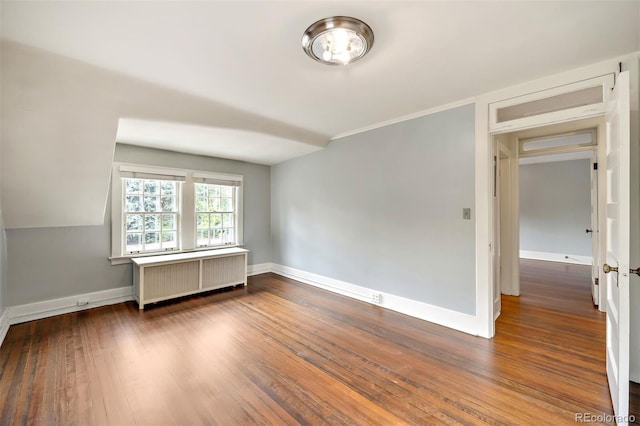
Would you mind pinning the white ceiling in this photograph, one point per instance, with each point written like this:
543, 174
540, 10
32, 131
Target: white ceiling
248, 55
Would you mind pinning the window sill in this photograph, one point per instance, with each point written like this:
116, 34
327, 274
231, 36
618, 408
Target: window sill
123, 260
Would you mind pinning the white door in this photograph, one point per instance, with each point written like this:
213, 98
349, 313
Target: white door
617, 246
595, 235
497, 250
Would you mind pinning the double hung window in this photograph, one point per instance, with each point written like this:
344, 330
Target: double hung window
151, 215
156, 210
215, 214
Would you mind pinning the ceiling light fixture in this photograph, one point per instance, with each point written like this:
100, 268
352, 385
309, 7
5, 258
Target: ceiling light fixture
338, 40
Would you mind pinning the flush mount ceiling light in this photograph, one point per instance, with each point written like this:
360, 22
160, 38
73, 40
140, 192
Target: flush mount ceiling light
338, 40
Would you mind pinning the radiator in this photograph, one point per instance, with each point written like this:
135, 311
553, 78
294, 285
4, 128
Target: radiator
164, 277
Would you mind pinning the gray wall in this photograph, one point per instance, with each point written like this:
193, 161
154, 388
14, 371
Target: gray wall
555, 207
48, 263
383, 210
3, 252
3, 266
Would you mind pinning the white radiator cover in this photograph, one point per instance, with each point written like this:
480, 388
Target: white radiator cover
157, 278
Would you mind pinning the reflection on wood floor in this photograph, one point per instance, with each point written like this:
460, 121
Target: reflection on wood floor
281, 352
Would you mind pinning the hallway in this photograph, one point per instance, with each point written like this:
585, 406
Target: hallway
554, 294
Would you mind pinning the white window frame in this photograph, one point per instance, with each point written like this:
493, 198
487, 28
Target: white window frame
177, 181
186, 212
236, 186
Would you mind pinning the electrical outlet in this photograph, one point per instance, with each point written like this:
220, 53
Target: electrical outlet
82, 302
466, 213
376, 298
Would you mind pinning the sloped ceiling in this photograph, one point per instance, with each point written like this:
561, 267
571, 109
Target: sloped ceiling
248, 55
234, 74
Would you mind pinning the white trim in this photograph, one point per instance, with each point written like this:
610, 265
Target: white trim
64, 305
483, 175
418, 114
424, 311
556, 257
186, 215
4, 325
484, 221
536, 120
154, 170
218, 176
123, 260
259, 268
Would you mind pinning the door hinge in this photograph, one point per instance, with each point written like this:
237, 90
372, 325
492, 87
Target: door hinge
595, 166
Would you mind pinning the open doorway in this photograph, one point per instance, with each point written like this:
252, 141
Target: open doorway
557, 167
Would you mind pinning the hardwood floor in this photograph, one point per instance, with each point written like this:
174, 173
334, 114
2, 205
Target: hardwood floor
281, 352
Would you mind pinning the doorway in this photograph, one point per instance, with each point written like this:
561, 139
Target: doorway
574, 143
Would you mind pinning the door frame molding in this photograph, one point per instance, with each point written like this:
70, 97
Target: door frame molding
484, 172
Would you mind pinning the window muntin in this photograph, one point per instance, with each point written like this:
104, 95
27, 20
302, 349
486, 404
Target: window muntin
151, 215
216, 214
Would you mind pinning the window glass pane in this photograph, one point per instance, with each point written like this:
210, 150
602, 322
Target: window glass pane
133, 186
152, 241
169, 239
202, 221
203, 237
152, 222
216, 220
168, 187
169, 222
168, 204
214, 204
151, 187
202, 205
151, 204
134, 242
228, 236
226, 191
133, 203
226, 205
588, 96
227, 220
214, 190
201, 190
134, 222
216, 236
560, 141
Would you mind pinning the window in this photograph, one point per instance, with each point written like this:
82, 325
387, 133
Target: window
156, 210
215, 214
150, 215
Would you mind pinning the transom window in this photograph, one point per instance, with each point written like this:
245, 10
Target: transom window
215, 214
150, 215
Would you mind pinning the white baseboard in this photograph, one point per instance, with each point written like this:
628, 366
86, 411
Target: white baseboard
48, 308
64, 305
4, 325
556, 257
445, 317
260, 268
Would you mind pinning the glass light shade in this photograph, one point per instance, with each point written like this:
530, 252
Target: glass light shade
338, 40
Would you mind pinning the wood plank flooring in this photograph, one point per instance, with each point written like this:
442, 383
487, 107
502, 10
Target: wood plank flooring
281, 352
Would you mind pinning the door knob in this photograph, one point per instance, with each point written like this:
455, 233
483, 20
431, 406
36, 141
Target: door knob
635, 271
606, 268
589, 231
